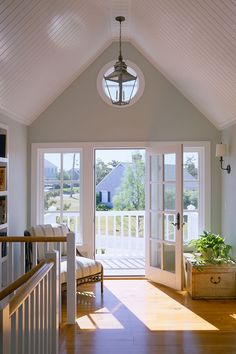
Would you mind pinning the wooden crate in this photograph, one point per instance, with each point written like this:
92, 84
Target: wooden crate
211, 282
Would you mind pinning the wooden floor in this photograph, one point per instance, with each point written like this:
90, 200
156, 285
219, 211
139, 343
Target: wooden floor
137, 317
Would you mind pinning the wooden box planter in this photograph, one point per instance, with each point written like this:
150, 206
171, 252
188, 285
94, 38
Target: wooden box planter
212, 281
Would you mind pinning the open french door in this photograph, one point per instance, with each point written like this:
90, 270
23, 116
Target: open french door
164, 215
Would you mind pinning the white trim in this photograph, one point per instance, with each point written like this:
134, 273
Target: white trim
227, 124
140, 78
9, 114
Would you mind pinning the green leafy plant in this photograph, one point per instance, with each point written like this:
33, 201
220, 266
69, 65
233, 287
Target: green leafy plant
210, 249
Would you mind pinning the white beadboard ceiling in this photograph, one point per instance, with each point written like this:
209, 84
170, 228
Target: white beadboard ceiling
46, 44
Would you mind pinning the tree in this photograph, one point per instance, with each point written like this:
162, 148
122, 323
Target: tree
131, 194
102, 169
113, 163
190, 166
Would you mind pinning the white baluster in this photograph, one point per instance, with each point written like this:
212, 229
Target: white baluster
22, 258
32, 322
55, 289
71, 278
10, 263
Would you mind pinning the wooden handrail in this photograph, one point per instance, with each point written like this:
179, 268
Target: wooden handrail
26, 289
20, 281
33, 239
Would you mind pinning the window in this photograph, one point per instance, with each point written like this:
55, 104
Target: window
105, 196
60, 190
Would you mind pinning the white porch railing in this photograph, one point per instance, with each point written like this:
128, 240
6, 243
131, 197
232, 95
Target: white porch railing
29, 321
122, 233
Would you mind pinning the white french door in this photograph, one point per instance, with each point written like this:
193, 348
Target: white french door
164, 215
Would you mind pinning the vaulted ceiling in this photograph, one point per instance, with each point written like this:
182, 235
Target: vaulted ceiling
46, 44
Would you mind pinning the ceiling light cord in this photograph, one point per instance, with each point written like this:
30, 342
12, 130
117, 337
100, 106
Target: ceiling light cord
120, 19
120, 55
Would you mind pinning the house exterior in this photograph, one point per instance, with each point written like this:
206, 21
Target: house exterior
109, 186
50, 170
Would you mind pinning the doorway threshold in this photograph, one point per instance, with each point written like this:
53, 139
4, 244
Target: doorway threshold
123, 267
125, 277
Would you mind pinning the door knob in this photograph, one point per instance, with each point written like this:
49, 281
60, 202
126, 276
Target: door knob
177, 223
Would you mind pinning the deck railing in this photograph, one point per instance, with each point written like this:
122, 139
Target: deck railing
122, 233
29, 320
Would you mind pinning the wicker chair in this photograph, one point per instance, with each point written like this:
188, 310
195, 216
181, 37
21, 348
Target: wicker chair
87, 270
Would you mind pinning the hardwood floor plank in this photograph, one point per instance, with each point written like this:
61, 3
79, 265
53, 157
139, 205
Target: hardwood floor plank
138, 317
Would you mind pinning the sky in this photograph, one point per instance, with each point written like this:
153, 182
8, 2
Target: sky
124, 155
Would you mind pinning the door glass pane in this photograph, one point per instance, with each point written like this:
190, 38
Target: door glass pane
52, 166
156, 225
169, 196
169, 228
156, 198
156, 168
155, 254
191, 166
169, 257
170, 167
191, 195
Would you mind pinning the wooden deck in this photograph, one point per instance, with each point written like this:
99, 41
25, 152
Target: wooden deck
123, 266
137, 317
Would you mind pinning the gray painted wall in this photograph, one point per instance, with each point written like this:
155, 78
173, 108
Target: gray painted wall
162, 114
229, 189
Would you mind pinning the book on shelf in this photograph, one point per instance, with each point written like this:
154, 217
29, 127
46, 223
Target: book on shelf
3, 184
3, 210
2, 145
4, 244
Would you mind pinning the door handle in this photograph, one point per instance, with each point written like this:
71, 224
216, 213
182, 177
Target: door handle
177, 223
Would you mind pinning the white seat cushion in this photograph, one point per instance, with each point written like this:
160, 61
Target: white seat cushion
84, 267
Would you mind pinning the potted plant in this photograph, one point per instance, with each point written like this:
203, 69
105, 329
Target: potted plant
210, 249
211, 272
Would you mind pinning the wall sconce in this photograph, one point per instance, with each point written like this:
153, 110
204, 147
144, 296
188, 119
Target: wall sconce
221, 150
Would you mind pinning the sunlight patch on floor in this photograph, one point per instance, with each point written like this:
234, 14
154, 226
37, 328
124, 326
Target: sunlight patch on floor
142, 300
101, 319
